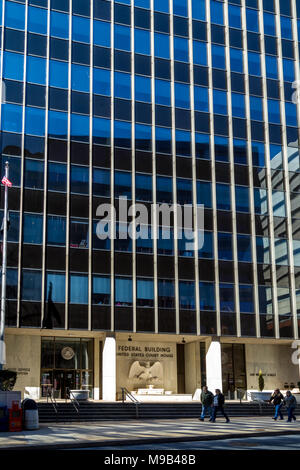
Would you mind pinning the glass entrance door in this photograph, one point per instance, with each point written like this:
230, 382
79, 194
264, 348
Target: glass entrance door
233, 369
62, 381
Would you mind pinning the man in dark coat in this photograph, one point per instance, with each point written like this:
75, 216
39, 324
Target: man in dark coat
277, 399
207, 399
218, 405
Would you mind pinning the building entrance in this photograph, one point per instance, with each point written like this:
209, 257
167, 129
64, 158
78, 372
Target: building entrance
233, 369
66, 364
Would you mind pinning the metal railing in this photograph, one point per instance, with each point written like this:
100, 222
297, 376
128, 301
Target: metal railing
50, 395
73, 399
126, 393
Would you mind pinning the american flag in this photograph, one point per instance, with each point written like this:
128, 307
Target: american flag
6, 182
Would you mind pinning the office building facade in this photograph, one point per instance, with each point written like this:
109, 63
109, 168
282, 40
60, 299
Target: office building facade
179, 102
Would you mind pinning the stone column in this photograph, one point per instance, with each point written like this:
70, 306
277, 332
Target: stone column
96, 370
109, 382
214, 365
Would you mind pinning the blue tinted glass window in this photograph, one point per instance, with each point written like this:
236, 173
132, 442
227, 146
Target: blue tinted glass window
185, 243
56, 285
13, 65
254, 63
265, 299
166, 294
79, 233
220, 102
291, 114
101, 82
57, 177
240, 151
145, 292
238, 105
36, 70
14, 15
184, 191
202, 146
81, 29
59, 24
246, 299
161, 45
256, 108
207, 296
163, 139
79, 179
242, 199
260, 201
101, 182
227, 298
269, 24
181, 49
271, 67
218, 57
164, 189
37, 20
286, 27
123, 292
122, 85
142, 3
244, 248
11, 118
34, 174
278, 201
143, 137
101, 131
56, 230
33, 228
142, 89
234, 14
101, 290
180, 7
57, 124
187, 294
163, 92
80, 78
122, 184
161, 5
258, 154
236, 60
165, 242
216, 12
198, 10
223, 196
221, 149
199, 53
58, 76
281, 252
201, 98
78, 289
263, 250
274, 111
183, 143
143, 187
122, 134
142, 41
252, 20
122, 38
225, 246
35, 121
122, 242
207, 250
182, 95
204, 193
14, 225
288, 70
31, 285
80, 127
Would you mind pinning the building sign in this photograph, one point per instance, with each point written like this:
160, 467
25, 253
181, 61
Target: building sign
145, 352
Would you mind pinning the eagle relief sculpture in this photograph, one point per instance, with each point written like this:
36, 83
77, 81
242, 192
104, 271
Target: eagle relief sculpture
146, 372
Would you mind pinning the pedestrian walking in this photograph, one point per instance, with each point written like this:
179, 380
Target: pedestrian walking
207, 399
290, 403
218, 405
277, 399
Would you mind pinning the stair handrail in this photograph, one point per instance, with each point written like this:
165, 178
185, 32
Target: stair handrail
50, 395
73, 399
126, 393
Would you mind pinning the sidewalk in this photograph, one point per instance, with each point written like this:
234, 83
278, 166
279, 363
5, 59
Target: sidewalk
77, 435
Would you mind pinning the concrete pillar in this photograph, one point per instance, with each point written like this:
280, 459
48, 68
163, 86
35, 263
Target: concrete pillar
96, 370
214, 366
109, 377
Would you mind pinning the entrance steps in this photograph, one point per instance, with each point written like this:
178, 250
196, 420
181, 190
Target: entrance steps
104, 411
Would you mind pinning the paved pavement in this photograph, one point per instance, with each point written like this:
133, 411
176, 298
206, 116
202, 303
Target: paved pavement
134, 432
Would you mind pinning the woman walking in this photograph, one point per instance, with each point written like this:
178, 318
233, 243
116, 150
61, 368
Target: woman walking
277, 399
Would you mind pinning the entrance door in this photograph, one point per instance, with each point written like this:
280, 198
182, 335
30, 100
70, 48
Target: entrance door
63, 380
233, 369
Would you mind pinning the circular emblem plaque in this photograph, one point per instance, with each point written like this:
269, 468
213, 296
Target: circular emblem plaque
67, 353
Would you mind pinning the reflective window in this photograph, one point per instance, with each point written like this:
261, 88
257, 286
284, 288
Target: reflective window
142, 41
234, 14
122, 37
122, 85
244, 248
246, 299
281, 252
223, 196
31, 285
269, 24
56, 230
123, 292
36, 70
79, 179
271, 67
14, 15
218, 57
101, 182
162, 92
145, 293
201, 98
142, 89
11, 118
181, 49
187, 294
162, 45
254, 63
81, 29
260, 201
216, 12
227, 298
34, 174
166, 293
33, 228
184, 191
199, 53
252, 20
122, 184
263, 250
207, 296
59, 24
13, 65
58, 75
79, 233
165, 242
37, 20
278, 200
57, 177
78, 289
265, 297
236, 60
143, 187
164, 189
242, 199
207, 250
256, 108
55, 287
225, 246
101, 290
221, 149
80, 78
101, 33
12, 283
144, 243
101, 82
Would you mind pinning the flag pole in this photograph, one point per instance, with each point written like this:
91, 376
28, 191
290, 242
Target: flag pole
4, 262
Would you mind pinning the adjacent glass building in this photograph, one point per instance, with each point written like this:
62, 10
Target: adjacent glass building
161, 101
